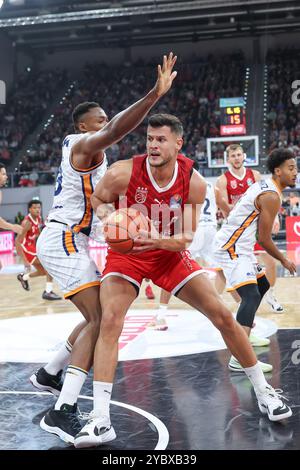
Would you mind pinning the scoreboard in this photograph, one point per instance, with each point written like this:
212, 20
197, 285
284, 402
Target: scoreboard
233, 120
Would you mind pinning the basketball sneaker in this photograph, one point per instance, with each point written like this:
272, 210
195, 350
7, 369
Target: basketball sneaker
273, 302
149, 292
271, 402
47, 382
97, 431
50, 296
158, 324
235, 366
24, 284
64, 422
258, 342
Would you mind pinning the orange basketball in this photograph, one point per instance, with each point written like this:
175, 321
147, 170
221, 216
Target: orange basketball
122, 227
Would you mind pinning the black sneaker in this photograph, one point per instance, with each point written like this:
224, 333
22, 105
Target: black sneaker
47, 382
64, 422
25, 284
50, 296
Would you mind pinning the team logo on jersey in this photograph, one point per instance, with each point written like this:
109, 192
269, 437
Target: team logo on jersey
141, 195
175, 201
233, 184
249, 182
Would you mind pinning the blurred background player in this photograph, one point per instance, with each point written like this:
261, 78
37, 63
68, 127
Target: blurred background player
26, 248
148, 290
4, 225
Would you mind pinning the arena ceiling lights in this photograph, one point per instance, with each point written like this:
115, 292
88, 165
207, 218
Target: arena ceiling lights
66, 24
142, 8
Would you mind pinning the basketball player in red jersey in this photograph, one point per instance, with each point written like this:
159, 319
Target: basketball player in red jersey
4, 225
237, 179
170, 192
26, 247
63, 246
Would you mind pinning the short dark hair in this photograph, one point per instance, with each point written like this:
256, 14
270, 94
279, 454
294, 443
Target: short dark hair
160, 120
34, 201
2, 166
277, 157
81, 109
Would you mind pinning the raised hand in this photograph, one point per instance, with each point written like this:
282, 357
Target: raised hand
165, 76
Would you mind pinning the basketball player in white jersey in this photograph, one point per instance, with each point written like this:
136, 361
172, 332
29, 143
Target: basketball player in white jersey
232, 185
63, 250
200, 248
254, 212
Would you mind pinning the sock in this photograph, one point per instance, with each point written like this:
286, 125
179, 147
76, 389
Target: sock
256, 377
60, 360
102, 395
162, 310
49, 287
26, 276
74, 380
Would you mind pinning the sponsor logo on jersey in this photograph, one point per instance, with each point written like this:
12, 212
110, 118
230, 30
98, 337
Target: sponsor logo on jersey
252, 274
141, 195
233, 184
175, 201
249, 182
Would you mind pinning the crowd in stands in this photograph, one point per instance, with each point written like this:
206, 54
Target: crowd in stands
26, 106
195, 99
283, 118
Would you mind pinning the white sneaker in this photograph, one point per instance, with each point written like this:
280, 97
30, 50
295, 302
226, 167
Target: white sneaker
235, 366
97, 431
271, 402
258, 342
158, 325
273, 302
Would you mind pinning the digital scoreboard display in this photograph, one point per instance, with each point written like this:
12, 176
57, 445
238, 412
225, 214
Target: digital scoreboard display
233, 121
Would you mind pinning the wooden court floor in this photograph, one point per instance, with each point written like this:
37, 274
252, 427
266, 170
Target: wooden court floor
16, 302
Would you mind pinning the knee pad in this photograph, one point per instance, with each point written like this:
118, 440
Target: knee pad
251, 298
263, 285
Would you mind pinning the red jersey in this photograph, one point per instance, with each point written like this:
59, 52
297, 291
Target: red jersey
162, 205
29, 242
236, 186
167, 269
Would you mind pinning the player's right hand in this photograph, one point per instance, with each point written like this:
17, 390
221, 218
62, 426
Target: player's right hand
165, 76
290, 266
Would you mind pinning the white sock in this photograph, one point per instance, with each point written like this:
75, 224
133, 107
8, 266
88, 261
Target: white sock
26, 276
256, 377
60, 360
74, 380
162, 311
102, 395
49, 287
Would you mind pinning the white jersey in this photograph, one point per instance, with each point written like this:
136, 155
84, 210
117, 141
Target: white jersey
208, 214
74, 187
238, 233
